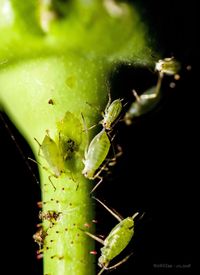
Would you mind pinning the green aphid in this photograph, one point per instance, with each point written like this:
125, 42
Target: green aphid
169, 66
58, 152
111, 114
52, 154
144, 103
70, 135
95, 154
116, 241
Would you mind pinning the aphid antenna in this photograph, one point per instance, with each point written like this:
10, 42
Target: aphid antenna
19, 149
37, 142
109, 100
39, 154
116, 215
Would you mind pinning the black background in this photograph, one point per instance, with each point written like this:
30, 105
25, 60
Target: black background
155, 175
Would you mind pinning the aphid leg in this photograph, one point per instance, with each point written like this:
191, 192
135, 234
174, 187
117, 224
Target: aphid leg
137, 97
143, 96
95, 237
110, 162
98, 183
115, 214
159, 82
98, 111
45, 168
39, 147
119, 263
102, 270
119, 153
93, 126
113, 161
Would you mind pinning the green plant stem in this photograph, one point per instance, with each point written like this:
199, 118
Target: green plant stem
66, 248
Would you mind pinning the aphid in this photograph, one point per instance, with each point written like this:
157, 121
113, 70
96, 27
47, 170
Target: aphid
70, 135
111, 113
52, 155
58, 153
116, 241
168, 66
144, 102
95, 154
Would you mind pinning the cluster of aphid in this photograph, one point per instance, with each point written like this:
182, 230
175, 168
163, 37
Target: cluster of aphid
122, 233
95, 160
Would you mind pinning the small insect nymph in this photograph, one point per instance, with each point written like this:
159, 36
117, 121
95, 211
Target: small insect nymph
95, 154
52, 155
116, 241
111, 114
59, 152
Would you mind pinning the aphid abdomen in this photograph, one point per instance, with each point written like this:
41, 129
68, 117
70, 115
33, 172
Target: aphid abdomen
118, 239
102, 149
